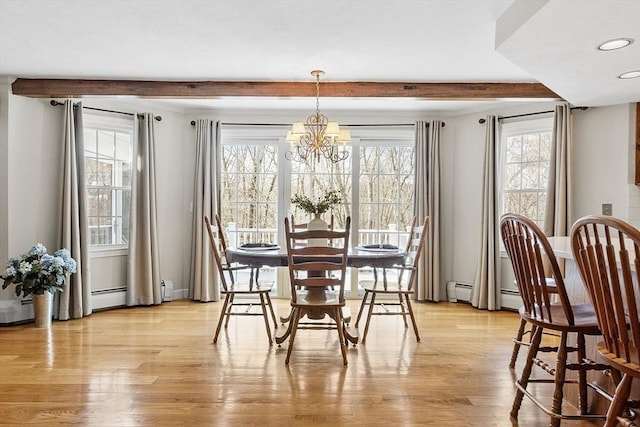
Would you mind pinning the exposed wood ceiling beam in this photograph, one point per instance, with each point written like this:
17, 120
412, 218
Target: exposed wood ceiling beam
58, 88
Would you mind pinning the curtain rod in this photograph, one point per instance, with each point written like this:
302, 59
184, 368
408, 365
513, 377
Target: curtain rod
193, 123
56, 103
482, 121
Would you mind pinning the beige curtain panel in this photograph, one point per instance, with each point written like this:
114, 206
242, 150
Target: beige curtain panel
203, 283
427, 203
486, 293
75, 301
143, 272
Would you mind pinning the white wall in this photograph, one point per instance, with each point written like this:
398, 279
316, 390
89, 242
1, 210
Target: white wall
602, 169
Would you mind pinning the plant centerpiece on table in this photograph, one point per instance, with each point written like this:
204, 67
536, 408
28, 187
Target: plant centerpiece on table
319, 206
39, 274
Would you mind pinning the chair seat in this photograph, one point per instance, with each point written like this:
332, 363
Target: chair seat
631, 367
584, 318
246, 288
390, 288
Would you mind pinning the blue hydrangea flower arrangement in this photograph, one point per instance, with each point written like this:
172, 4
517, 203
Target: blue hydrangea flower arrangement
37, 271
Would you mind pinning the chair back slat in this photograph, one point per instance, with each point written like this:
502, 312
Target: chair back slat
533, 261
607, 252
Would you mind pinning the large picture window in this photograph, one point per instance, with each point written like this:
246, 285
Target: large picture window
526, 151
257, 184
108, 158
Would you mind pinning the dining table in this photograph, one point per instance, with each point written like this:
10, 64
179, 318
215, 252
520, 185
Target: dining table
272, 255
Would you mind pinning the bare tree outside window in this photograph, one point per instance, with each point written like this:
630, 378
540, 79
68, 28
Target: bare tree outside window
250, 191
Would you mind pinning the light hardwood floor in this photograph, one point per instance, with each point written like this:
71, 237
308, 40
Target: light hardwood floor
158, 366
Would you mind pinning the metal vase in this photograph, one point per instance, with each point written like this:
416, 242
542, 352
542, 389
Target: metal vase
42, 309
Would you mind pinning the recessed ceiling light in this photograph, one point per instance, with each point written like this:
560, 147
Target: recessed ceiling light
614, 44
630, 75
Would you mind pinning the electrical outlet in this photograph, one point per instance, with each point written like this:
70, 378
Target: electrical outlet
607, 209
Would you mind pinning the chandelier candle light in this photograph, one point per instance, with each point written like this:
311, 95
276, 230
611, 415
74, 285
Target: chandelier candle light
318, 137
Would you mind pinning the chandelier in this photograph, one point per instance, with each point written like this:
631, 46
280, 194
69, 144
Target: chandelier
318, 137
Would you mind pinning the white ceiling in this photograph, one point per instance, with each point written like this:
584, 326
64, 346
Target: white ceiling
547, 41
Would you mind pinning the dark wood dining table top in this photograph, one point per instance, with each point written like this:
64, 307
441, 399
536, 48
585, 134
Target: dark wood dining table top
357, 258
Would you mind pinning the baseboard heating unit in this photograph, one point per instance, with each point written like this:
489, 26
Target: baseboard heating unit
459, 292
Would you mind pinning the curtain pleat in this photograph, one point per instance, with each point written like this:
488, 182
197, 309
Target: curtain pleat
203, 285
433, 182
75, 300
143, 272
427, 203
486, 294
557, 210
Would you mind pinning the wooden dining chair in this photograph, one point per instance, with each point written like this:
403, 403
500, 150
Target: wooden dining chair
528, 248
607, 253
402, 288
317, 277
234, 289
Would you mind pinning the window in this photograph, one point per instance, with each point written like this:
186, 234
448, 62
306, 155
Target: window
526, 151
257, 184
108, 158
249, 188
386, 187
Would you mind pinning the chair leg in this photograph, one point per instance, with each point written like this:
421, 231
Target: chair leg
295, 318
619, 401
340, 327
364, 302
223, 314
369, 314
404, 311
517, 343
561, 370
413, 318
582, 376
273, 314
526, 371
265, 314
229, 308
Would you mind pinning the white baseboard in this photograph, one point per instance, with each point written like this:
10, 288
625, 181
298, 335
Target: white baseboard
15, 311
459, 292
463, 292
510, 299
108, 298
